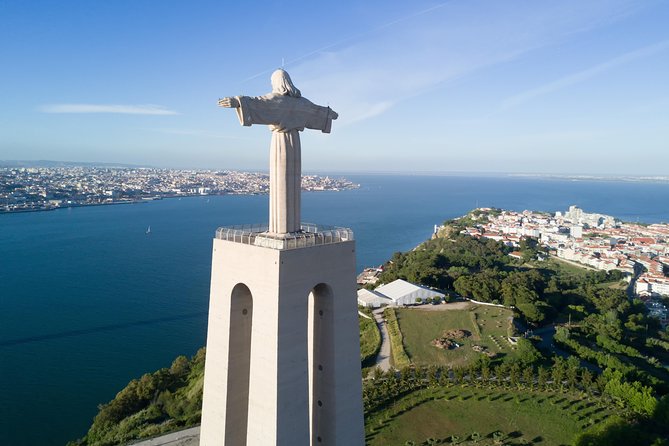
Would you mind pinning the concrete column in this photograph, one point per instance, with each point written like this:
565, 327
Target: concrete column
285, 175
304, 381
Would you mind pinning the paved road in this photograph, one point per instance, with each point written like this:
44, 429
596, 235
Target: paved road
631, 289
546, 334
186, 437
383, 358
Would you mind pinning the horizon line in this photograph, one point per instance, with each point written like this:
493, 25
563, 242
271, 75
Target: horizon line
582, 175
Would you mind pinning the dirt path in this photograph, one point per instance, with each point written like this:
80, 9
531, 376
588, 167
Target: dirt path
383, 358
443, 307
186, 437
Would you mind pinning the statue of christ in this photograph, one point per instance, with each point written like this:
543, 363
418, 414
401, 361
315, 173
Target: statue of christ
286, 113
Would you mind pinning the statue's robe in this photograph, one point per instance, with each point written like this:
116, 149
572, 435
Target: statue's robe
286, 117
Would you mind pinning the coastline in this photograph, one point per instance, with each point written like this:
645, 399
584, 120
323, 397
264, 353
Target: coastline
146, 200
78, 205
60, 264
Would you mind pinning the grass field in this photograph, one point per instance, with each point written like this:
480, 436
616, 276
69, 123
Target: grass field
563, 267
560, 266
520, 417
616, 284
370, 339
487, 325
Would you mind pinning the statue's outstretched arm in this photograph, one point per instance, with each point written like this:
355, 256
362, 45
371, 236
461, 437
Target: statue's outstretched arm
228, 103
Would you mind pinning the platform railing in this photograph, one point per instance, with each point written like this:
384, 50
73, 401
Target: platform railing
309, 235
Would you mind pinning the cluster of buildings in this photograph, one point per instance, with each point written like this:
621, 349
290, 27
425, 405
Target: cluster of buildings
369, 276
45, 188
595, 240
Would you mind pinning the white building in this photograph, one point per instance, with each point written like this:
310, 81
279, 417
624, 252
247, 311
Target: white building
372, 299
652, 285
401, 292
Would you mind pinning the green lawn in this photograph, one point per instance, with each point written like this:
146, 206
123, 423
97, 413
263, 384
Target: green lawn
487, 325
615, 284
560, 266
523, 417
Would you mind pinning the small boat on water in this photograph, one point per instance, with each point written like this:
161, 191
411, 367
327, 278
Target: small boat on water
148, 230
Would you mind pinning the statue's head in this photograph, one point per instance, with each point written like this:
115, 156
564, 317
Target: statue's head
281, 84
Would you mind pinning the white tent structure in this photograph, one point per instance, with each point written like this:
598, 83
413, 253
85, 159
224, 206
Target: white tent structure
401, 292
372, 299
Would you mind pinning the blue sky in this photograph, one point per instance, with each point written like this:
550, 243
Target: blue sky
457, 86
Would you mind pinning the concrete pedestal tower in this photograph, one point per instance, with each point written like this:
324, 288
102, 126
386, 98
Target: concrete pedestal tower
283, 352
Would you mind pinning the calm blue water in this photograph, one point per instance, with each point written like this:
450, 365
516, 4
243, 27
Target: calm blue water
88, 301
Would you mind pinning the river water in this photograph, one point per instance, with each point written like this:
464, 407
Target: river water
89, 301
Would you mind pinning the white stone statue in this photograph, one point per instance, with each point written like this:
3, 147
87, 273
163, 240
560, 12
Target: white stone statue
286, 113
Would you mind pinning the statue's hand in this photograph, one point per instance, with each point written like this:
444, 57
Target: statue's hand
333, 114
228, 103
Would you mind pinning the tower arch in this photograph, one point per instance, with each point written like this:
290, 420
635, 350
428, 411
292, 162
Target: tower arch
321, 363
239, 364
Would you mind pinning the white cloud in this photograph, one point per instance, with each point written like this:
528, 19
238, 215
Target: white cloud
372, 72
584, 75
199, 134
148, 109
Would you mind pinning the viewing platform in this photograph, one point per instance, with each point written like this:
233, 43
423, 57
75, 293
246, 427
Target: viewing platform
309, 235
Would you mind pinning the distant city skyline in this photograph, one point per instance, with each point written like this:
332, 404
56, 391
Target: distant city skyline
478, 86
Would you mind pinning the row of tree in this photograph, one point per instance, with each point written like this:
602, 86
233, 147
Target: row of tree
561, 375
645, 415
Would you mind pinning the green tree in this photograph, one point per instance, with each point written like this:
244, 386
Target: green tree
634, 395
542, 377
617, 432
527, 353
571, 371
529, 248
514, 374
528, 377
180, 367
485, 374
586, 380
558, 372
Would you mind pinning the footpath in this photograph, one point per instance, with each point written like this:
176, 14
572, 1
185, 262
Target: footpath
383, 358
186, 437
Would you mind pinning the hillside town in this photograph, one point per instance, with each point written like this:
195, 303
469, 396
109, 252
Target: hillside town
591, 240
46, 188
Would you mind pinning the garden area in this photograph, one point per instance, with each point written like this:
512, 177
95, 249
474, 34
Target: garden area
461, 336
484, 416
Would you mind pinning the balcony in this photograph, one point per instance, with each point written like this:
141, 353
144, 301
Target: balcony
309, 235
